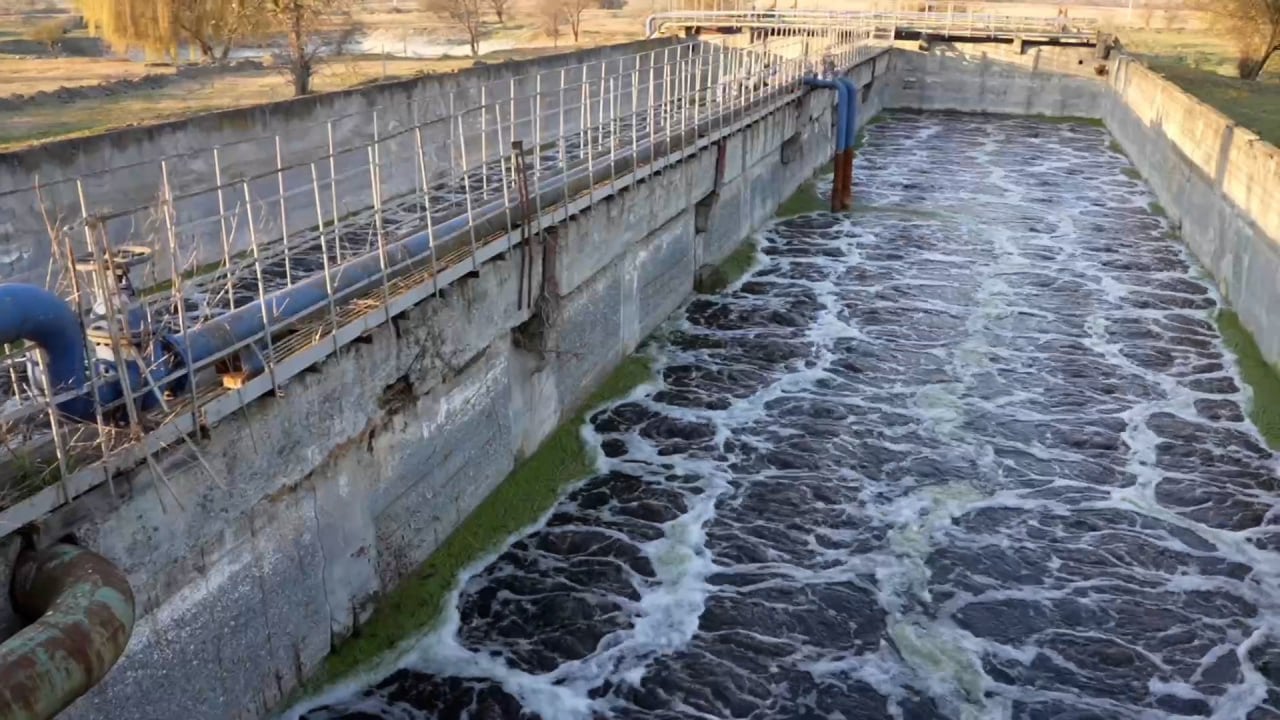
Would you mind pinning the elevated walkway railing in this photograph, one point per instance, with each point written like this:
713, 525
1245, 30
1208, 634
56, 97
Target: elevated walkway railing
174, 371
988, 25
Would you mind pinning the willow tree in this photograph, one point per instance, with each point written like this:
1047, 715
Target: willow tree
162, 27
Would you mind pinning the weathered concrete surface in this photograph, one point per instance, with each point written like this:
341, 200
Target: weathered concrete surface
996, 78
355, 474
1220, 182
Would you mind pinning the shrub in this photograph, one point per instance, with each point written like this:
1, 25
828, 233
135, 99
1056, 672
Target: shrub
48, 33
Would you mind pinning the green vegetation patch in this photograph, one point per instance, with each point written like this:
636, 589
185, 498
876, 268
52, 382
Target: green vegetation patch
1258, 373
716, 279
1131, 173
1069, 120
804, 200
1157, 209
528, 492
739, 262
1255, 104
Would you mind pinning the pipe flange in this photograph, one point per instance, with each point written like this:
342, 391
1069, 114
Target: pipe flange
122, 258
99, 333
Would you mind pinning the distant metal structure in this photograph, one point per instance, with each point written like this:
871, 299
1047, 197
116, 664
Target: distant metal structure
149, 341
897, 25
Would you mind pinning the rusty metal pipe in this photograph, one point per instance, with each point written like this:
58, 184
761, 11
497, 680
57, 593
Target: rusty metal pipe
837, 181
846, 186
81, 611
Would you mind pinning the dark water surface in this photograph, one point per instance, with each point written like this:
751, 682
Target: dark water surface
974, 451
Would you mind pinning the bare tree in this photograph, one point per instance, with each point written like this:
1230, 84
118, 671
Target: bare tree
302, 22
1255, 27
550, 14
466, 14
499, 7
573, 10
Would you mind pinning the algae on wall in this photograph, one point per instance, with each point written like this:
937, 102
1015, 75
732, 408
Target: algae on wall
804, 200
1261, 377
711, 280
518, 502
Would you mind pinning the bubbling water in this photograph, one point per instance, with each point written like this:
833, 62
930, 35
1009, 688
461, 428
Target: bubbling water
975, 450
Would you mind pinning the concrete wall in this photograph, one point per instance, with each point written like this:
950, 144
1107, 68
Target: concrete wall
122, 171
998, 78
1220, 182
323, 498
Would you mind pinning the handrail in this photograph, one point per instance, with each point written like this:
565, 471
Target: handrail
988, 23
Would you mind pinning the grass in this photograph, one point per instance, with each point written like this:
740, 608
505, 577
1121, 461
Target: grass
1261, 377
517, 39
1203, 64
25, 76
528, 492
189, 96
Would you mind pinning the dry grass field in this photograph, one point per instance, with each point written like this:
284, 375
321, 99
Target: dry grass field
388, 34
399, 40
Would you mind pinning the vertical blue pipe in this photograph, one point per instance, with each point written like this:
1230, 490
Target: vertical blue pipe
851, 135
842, 108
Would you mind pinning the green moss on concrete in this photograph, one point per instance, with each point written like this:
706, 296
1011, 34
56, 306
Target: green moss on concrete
1260, 376
739, 262
1131, 173
716, 279
1157, 209
804, 200
528, 492
1069, 120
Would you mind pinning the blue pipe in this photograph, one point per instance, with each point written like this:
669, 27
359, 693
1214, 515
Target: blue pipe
33, 314
217, 335
851, 135
170, 354
38, 316
842, 108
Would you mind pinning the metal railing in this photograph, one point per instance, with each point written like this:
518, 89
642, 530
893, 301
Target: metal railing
422, 204
966, 24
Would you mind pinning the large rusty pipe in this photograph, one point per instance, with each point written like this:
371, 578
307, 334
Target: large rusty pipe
840, 191
837, 181
81, 611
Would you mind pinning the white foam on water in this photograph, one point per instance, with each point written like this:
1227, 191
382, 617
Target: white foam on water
997, 489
